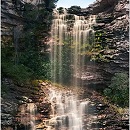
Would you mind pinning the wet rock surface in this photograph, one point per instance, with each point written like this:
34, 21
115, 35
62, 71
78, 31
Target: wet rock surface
46, 113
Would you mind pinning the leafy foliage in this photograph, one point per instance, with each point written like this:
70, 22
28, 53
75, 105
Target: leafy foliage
74, 10
19, 73
118, 91
61, 10
32, 62
35, 38
50, 3
98, 47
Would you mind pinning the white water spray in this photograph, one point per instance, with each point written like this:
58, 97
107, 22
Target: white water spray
67, 110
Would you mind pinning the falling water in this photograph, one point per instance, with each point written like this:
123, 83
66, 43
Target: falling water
67, 110
27, 116
59, 29
80, 34
32, 109
81, 30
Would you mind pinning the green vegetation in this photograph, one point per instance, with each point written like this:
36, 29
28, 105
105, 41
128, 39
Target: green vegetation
35, 39
118, 90
61, 10
32, 59
99, 47
118, 109
19, 73
74, 10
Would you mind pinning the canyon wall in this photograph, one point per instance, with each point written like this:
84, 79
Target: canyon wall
112, 18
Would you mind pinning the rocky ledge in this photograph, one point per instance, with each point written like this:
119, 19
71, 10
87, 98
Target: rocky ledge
112, 32
34, 111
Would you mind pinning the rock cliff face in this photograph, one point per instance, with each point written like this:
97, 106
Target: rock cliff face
112, 18
41, 109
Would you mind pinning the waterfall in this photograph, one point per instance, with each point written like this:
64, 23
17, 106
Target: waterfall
67, 110
59, 29
32, 109
81, 30
27, 116
79, 35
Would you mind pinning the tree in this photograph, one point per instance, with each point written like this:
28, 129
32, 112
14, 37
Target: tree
118, 90
74, 10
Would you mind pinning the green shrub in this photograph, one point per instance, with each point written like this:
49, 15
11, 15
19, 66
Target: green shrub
74, 10
118, 90
19, 73
61, 10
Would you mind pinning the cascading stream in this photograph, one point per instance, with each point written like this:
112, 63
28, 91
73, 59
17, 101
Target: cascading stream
59, 29
79, 36
81, 30
67, 110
